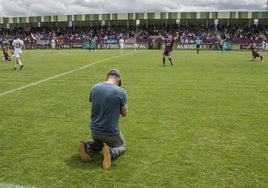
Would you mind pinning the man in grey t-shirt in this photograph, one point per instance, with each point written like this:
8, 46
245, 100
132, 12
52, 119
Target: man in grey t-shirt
109, 101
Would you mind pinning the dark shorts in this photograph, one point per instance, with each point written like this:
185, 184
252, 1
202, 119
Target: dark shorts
167, 53
255, 55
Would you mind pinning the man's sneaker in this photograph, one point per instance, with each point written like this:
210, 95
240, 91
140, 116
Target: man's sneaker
83, 154
21, 67
14, 68
164, 65
106, 163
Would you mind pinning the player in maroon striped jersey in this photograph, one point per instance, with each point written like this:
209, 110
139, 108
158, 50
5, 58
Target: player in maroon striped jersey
255, 53
169, 41
5, 53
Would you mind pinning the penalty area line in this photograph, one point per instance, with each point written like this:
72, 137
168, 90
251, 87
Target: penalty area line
60, 75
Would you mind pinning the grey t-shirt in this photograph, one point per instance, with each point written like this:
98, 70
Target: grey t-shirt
107, 100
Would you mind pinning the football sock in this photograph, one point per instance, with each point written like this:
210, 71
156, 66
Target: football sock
164, 60
19, 62
170, 60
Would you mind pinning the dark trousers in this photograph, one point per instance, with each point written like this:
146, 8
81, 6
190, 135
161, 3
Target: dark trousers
116, 143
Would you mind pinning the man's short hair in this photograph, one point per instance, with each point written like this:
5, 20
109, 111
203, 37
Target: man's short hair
114, 72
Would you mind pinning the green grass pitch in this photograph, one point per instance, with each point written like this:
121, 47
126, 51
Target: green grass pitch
201, 123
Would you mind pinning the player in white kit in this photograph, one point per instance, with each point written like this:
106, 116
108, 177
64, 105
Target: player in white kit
18, 46
53, 44
121, 45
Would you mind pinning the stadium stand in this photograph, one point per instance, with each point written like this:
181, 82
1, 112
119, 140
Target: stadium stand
237, 27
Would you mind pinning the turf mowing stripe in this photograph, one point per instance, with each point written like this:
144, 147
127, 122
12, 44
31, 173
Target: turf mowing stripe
62, 74
2, 185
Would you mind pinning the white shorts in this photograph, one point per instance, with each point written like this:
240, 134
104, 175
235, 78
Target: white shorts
17, 53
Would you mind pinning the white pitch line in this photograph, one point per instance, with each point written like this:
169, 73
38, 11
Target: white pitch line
59, 75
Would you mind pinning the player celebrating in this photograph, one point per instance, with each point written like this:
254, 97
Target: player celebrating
255, 53
121, 44
18, 45
198, 43
169, 41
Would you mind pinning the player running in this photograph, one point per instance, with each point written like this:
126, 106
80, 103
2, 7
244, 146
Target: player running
5, 53
255, 53
5, 49
169, 41
198, 43
18, 46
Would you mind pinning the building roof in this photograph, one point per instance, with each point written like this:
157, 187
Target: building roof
136, 16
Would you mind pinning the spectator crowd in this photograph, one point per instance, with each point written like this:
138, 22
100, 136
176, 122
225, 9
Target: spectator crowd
186, 34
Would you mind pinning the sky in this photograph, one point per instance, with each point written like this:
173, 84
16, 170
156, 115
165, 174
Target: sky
23, 8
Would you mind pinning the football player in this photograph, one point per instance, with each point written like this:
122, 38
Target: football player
18, 45
255, 53
169, 41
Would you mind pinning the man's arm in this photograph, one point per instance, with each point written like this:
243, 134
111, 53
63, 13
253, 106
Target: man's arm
124, 110
161, 36
177, 36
